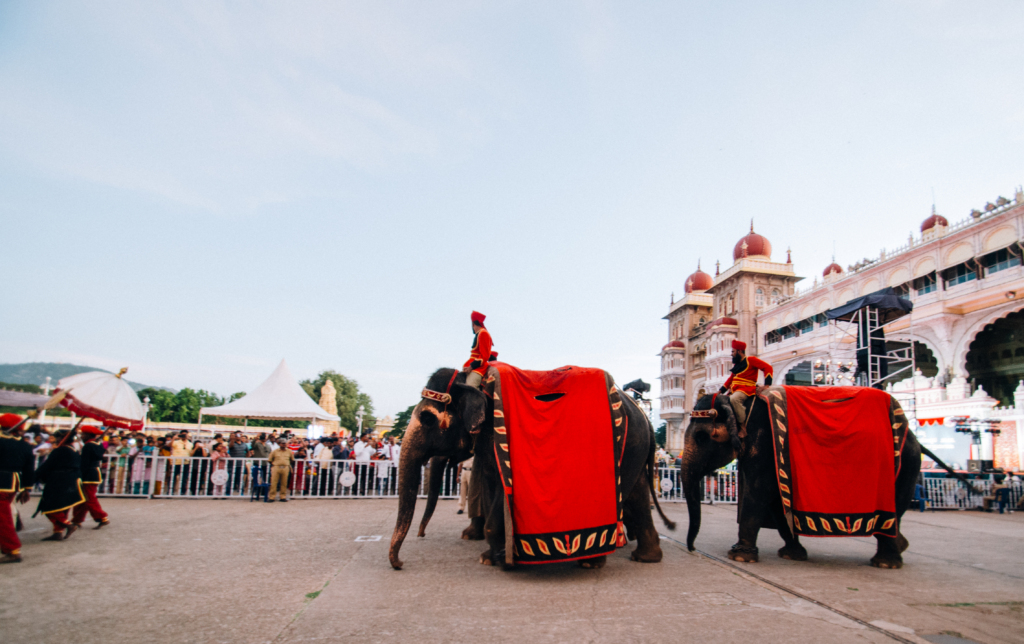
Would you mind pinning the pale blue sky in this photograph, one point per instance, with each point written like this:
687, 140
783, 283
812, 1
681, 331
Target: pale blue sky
196, 190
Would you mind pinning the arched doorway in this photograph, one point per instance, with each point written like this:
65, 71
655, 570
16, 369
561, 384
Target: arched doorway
995, 359
800, 374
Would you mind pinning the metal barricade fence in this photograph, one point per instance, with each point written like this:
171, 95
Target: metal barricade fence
950, 494
206, 477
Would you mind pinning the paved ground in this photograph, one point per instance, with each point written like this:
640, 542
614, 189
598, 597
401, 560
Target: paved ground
231, 571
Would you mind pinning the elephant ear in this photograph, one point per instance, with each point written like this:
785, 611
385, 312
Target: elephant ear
471, 406
729, 416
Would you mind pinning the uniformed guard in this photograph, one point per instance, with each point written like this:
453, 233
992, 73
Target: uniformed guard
481, 351
17, 476
92, 459
61, 474
742, 382
281, 461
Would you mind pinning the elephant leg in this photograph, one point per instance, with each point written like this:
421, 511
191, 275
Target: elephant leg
637, 511
890, 550
793, 550
594, 562
494, 530
475, 530
757, 500
889, 553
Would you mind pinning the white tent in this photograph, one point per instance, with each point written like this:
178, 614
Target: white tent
279, 398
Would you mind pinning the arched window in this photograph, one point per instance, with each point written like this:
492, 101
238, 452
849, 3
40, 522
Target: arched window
759, 298
776, 296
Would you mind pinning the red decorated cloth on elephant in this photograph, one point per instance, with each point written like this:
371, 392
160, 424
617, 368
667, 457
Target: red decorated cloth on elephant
561, 461
838, 455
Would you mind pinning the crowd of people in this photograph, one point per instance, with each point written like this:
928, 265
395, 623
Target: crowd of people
192, 464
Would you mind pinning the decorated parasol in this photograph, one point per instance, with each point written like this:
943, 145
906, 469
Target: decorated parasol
103, 396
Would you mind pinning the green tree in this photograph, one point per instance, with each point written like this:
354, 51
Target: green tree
161, 404
660, 434
348, 398
402, 423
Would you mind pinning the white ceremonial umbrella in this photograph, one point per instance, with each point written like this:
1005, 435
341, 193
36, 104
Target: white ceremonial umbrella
103, 396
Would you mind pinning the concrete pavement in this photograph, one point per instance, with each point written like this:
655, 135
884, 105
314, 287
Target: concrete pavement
234, 571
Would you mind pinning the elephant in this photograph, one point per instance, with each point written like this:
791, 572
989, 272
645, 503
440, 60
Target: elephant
712, 441
438, 465
464, 425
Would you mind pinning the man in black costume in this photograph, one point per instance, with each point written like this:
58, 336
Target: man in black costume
17, 476
61, 475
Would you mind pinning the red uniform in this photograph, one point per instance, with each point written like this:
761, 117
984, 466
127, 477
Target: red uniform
480, 353
744, 375
92, 457
17, 473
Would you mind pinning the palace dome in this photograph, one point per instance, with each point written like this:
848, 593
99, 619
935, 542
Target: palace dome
832, 268
752, 245
699, 281
675, 344
933, 221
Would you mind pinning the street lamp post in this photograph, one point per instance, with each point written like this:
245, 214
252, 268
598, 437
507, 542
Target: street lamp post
359, 419
46, 392
145, 412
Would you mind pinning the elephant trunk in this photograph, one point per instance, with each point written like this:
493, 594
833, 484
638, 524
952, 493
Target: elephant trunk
691, 490
691, 474
438, 465
409, 466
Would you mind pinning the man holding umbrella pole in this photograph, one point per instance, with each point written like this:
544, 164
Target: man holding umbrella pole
92, 459
61, 474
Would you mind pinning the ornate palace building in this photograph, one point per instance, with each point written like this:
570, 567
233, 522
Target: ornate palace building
967, 328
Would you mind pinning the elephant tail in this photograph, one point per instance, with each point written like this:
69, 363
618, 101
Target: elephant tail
651, 465
927, 452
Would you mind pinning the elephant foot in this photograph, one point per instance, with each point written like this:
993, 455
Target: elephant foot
902, 543
475, 530
887, 561
652, 555
487, 558
793, 553
594, 562
743, 554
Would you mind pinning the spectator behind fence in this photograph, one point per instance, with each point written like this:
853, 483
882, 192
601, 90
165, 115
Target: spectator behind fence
364, 452
260, 450
237, 449
217, 463
339, 450
281, 461
998, 484
180, 447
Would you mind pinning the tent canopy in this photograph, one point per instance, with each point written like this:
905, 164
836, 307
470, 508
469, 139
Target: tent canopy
890, 306
279, 398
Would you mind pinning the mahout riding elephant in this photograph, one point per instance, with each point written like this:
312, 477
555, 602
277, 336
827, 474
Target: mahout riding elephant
465, 425
713, 441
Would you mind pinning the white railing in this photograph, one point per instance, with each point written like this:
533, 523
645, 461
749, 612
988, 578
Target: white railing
951, 494
225, 478
719, 487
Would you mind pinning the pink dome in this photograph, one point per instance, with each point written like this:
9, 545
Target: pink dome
752, 245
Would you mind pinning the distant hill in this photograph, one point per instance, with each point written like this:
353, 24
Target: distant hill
35, 373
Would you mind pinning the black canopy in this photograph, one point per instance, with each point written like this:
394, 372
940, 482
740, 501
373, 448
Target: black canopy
890, 306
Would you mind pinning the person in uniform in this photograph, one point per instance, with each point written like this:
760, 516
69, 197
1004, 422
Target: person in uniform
480, 354
61, 474
465, 474
281, 461
742, 382
92, 458
17, 476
